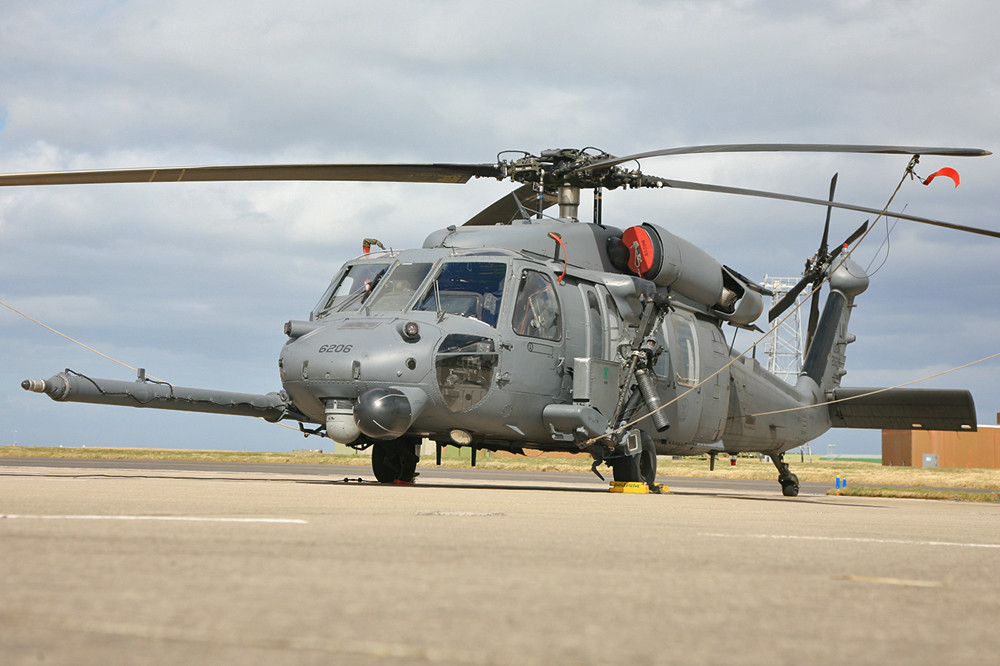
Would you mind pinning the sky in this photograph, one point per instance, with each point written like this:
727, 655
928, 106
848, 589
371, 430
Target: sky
194, 281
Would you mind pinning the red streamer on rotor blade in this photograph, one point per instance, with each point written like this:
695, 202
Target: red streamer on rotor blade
946, 171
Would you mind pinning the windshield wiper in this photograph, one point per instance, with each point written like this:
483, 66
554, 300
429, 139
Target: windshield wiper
437, 301
363, 294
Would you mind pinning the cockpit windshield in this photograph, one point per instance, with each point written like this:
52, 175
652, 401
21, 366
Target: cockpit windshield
472, 289
467, 288
399, 287
352, 290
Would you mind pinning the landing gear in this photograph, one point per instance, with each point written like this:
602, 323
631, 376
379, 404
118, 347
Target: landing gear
640, 467
638, 388
395, 460
789, 482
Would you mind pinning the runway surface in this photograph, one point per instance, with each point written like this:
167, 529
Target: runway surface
163, 564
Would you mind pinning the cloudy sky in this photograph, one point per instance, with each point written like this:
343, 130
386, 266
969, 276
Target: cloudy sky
194, 281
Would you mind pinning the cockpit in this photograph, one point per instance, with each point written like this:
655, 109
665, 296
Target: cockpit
467, 287
395, 316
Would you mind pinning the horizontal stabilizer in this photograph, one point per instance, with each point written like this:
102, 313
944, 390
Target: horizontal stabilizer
903, 409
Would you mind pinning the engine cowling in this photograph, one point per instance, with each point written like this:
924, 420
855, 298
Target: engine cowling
670, 261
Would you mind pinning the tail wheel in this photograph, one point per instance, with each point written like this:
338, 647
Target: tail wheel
790, 486
395, 460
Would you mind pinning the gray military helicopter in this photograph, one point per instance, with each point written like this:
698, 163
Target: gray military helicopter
521, 331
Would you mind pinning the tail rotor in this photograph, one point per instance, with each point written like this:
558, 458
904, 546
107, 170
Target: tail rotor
815, 271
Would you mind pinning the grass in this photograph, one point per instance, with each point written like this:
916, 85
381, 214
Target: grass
194, 455
828, 471
861, 477
485, 460
917, 493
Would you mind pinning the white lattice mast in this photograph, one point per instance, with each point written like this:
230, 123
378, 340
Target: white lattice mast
783, 345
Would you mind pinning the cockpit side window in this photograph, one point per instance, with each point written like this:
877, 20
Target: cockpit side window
398, 288
467, 288
536, 308
352, 290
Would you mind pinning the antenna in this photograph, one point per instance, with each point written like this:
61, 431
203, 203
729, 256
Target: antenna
783, 345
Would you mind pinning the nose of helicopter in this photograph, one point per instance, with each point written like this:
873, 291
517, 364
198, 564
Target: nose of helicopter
386, 413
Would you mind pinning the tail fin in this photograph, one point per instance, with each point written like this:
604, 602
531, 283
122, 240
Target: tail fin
898, 409
826, 357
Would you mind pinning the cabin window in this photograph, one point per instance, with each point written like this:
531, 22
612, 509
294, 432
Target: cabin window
613, 323
684, 352
595, 328
536, 308
399, 287
352, 289
467, 288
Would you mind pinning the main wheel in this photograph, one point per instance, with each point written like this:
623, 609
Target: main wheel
395, 460
640, 467
790, 486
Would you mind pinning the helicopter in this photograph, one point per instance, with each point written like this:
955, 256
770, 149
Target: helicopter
522, 331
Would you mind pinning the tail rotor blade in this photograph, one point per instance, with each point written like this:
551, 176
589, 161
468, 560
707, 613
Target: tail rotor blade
788, 299
826, 227
813, 317
858, 233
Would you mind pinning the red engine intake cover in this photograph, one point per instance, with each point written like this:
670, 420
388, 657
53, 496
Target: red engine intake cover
641, 250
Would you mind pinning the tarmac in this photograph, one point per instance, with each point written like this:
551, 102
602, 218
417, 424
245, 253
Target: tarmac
160, 565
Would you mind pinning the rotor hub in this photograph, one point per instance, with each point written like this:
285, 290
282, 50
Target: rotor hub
570, 167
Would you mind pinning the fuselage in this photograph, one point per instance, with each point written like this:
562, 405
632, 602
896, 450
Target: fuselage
467, 335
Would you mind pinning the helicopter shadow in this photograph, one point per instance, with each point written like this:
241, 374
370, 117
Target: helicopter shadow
459, 485
443, 484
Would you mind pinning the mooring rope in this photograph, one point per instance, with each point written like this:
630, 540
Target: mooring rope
99, 353
875, 391
74, 340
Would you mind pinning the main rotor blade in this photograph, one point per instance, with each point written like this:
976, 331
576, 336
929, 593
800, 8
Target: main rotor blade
506, 208
791, 148
395, 173
704, 187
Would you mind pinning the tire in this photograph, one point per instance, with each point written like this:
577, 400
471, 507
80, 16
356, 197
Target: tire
647, 462
790, 486
625, 469
395, 460
639, 468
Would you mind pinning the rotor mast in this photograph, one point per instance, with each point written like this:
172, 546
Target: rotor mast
568, 198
